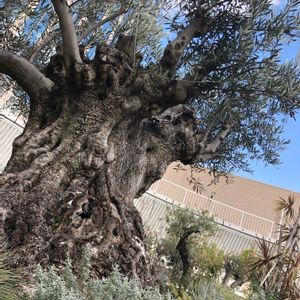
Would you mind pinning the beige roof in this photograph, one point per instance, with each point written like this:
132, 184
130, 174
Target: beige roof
248, 195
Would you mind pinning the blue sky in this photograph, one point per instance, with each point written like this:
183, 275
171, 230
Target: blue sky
287, 174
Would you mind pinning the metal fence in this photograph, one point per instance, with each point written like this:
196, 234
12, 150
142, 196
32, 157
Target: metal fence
223, 213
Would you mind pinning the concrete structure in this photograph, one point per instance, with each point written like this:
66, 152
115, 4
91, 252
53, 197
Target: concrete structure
244, 204
250, 196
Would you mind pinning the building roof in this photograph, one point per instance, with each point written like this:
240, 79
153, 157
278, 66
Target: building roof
245, 194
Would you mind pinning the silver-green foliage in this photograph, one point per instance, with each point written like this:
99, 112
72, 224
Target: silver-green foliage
68, 286
183, 222
26, 25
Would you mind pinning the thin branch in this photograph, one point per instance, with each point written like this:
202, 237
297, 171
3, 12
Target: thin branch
48, 38
44, 42
175, 49
27, 75
70, 43
103, 21
212, 146
216, 118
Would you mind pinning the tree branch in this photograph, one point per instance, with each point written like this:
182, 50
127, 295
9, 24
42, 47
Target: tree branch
211, 148
92, 28
216, 118
70, 43
175, 49
48, 38
27, 75
44, 42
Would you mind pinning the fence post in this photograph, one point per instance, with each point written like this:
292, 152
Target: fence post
213, 205
242, 218
184, 197
271, 231
156, 188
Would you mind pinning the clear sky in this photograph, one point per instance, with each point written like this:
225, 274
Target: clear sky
287, 174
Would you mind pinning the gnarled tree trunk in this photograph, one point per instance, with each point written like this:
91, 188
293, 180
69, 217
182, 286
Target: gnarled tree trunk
99, 133
85, 154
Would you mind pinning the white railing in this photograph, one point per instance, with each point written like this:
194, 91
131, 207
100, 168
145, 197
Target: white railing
223, 213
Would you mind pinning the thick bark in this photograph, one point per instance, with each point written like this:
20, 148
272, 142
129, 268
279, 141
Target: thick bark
89, 147
94, 141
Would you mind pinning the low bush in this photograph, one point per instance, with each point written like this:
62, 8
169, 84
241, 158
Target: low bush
68, 286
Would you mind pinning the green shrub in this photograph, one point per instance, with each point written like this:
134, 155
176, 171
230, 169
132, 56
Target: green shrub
259, 293
186, 227
203, 290
208, 261
67, 286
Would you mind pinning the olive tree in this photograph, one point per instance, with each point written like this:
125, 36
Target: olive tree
112, 102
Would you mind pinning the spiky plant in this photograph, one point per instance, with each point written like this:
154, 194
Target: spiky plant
286, 206
210, 290
277, 265
264, 256
8, 279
